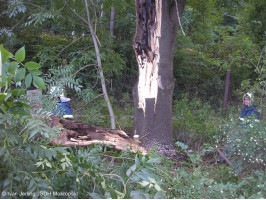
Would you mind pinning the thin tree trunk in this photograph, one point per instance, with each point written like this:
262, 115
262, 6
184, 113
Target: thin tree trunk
227, 83
0, 67
101, 15
112, 21
112, 116
154, 43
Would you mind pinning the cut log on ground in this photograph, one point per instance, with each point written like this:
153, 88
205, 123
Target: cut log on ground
75, 133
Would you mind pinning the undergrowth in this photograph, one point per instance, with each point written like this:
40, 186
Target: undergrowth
32, 168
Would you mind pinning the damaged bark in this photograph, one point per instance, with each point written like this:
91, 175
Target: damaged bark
153, 44
75, 133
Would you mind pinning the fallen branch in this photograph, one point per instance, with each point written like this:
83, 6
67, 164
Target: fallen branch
224, 157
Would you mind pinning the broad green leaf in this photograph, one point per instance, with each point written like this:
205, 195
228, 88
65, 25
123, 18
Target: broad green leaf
144, 183
7, 182
128, 172
46, 135
95, 195
12, 67
38, 164
142, 176
28, 80
147, 172
2, 97
48, 164
20, 74
21, 104
7, 96
5, 54
155, 160
159, 194
20, 54
33, 133
131, 169
136, 195
152, 180
32, 66
31, 184
137, 161
38, 82
4, 68
36, 72
18, 92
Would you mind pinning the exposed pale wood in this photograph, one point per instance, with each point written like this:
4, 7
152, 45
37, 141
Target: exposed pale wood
75, 133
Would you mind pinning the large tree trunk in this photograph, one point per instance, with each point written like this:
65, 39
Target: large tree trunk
154, 43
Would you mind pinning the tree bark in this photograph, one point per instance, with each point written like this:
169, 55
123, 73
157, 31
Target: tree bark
99, 62
112, 21
226, 91
0, 67
154, 42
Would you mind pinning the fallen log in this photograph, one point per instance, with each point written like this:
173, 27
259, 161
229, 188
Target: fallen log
75, 133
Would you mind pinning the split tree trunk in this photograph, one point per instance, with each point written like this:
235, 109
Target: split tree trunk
154, 42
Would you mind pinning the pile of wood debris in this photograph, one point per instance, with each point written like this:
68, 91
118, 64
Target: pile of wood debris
75, 133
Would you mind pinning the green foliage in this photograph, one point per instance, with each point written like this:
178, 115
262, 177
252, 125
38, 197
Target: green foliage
13, 67
244, 145
195, 181
252, 19
22, 136
16, 7
194, 120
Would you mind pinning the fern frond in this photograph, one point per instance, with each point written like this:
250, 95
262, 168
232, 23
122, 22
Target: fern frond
6, 32
15, 7
39, 18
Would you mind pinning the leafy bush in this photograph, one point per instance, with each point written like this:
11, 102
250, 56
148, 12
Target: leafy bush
22, 136
193, 180
194, 120
245, 145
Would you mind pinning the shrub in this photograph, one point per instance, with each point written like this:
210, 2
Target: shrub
194, 121
244, 145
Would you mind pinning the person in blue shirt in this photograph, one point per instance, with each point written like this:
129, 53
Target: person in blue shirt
63, 108
249, 111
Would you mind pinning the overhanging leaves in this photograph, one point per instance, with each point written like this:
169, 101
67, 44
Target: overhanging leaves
38, 82
20, 74
20, 54
32, 66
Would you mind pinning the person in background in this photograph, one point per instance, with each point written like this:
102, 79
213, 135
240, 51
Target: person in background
63, 107
249, 111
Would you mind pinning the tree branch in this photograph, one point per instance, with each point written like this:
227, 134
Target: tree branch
179, 19
70, 44
83, 106
80, 17
84, 68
